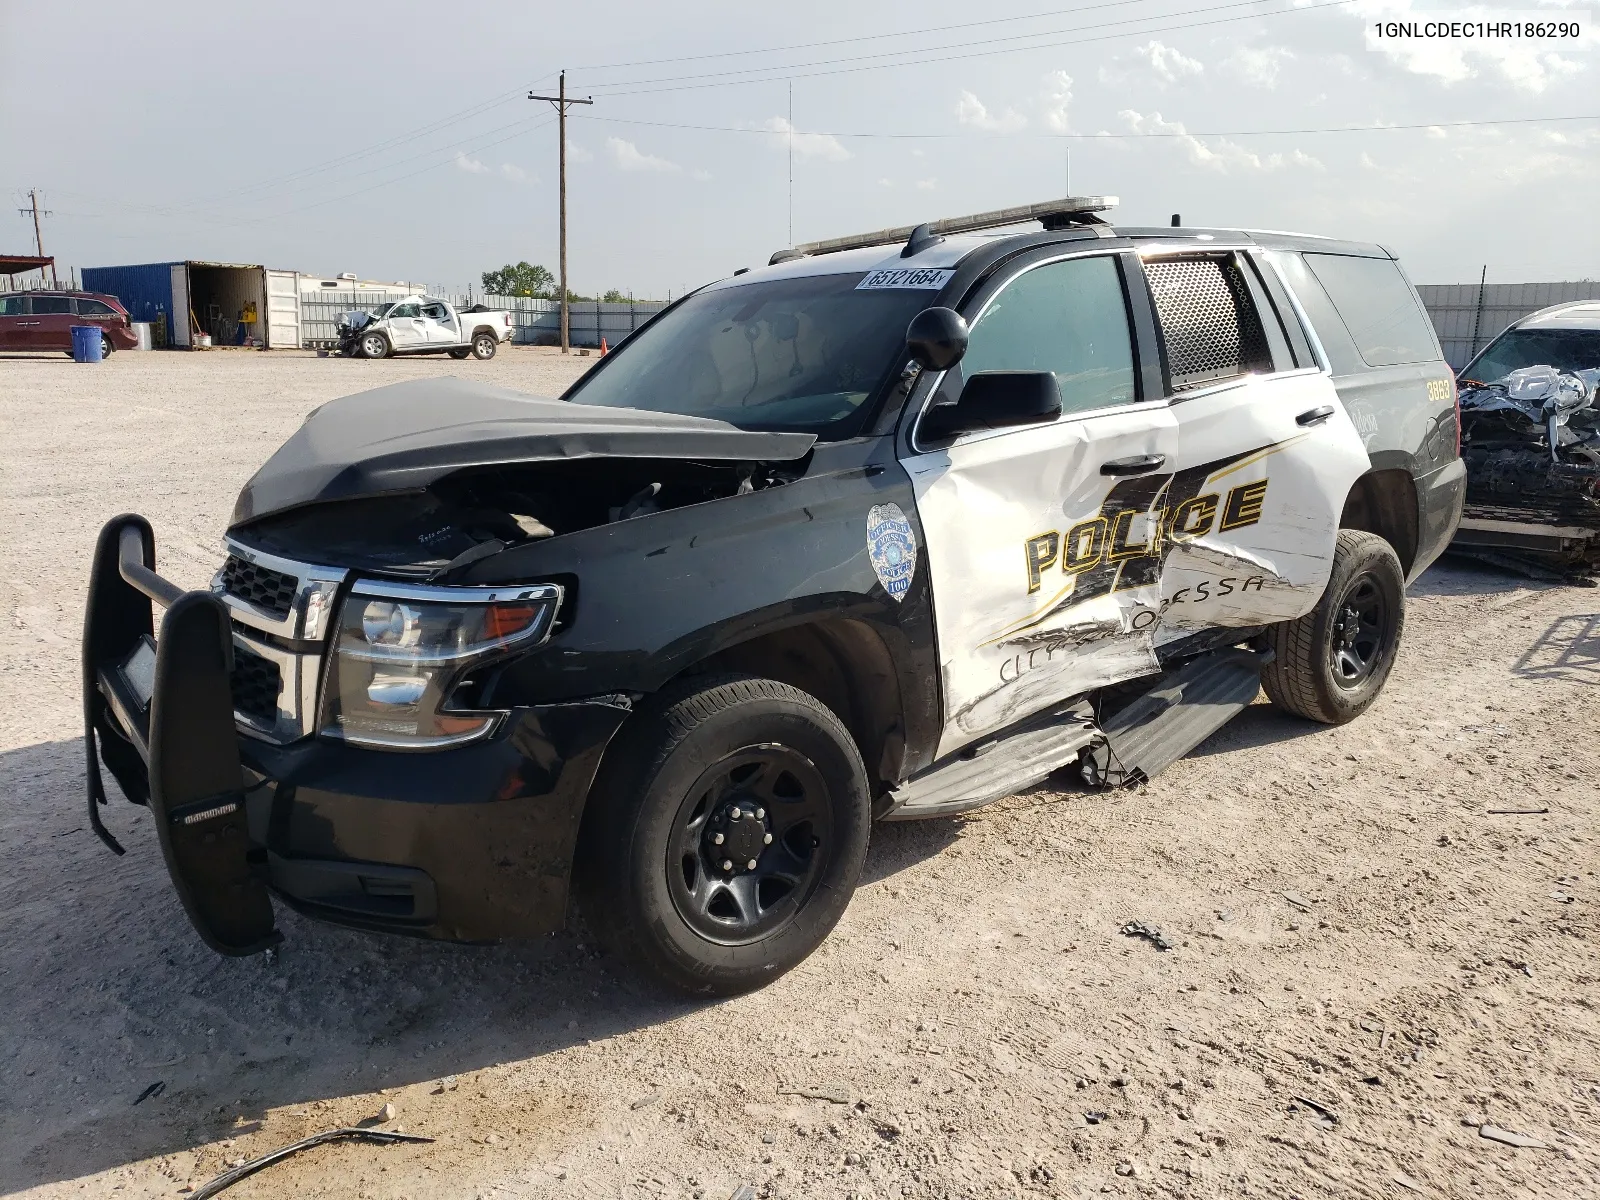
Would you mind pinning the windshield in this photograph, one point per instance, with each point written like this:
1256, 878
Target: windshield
806, 354
1563, 349
381, 311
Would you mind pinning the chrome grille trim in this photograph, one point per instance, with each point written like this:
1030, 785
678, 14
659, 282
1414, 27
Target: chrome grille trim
309, 620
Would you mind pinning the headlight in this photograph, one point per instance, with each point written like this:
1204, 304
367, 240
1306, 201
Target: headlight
401, 650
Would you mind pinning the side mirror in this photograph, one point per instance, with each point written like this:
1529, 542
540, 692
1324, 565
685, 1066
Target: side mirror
937, 338
996, 400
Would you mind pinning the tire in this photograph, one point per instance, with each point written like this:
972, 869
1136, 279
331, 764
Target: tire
650, 877
373, 345
484, 345
462, 352
106, 348
1331, 663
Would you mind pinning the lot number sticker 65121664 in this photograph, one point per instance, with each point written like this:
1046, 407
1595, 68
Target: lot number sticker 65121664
926, 278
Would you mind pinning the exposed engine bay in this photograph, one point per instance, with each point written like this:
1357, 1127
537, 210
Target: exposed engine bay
472, 514
1531, 441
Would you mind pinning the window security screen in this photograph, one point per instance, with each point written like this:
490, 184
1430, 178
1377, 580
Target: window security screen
1208, 322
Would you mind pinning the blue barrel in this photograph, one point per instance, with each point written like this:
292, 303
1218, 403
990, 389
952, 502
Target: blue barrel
86, 343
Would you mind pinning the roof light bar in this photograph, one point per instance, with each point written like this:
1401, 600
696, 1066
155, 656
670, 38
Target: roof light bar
1071, 206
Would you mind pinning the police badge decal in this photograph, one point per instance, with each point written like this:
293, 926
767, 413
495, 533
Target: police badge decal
892, 547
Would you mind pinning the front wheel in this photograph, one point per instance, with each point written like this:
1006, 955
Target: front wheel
725, 834
1332, 663
374, 345
484, 345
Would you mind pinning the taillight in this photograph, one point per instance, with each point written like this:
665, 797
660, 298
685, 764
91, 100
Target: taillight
1455, 392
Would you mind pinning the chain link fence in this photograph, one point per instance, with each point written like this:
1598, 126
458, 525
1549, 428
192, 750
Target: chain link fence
535, 322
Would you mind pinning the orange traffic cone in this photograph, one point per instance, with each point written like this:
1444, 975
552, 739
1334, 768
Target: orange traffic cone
603, 347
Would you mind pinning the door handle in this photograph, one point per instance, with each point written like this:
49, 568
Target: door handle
1315, 416
1139, 464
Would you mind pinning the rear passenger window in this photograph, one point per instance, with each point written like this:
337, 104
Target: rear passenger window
1379, 308
1319, 310
1209, 323
95, 308
50, 305
1069, 318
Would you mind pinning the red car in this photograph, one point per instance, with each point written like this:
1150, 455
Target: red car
43, 320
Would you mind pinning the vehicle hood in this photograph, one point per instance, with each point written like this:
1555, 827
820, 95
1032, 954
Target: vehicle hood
405, 436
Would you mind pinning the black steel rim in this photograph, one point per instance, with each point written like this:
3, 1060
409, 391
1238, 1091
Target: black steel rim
1360, 632
749, 844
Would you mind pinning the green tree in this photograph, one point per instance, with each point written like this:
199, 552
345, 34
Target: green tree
523, 279
614, 296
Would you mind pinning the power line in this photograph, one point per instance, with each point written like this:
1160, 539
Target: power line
972, 133
909, 57
865, 37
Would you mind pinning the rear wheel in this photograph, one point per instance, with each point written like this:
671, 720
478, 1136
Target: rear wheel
725, 834
484, 345
105, 345
1331, 663
374, 345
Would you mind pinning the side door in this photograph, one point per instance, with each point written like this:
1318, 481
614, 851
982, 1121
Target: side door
13, 314
439, 324
98, 313
1038, 535
1266, 452
405, 326
50, 322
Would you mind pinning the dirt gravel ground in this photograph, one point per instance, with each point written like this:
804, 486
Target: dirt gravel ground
1369, 961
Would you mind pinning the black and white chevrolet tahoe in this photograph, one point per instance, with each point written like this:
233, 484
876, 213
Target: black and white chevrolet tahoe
888, 529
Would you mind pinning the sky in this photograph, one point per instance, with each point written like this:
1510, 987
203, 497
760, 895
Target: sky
396, 140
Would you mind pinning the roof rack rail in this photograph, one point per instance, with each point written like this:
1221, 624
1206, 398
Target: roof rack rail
1052, 213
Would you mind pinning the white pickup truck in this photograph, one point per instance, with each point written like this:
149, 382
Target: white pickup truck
424, 325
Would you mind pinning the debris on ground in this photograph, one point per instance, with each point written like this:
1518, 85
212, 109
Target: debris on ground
1531, 441
833, 1095
1326, 1117
1517, 812
151, 1092
232, 1176
386, 1114
1149, 932
642, 1101
1510, 1138
1298, 901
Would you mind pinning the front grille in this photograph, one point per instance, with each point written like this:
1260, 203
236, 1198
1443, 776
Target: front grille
255, 682
269, 590
1208, 321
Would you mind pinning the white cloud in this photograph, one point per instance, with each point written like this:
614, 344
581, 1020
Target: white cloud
1217, 154
701, 176
927, 185
1168, 64
971, 112
807, 145
885, 183
630, 158
577, 154
1057, 98
1258, 66
514, 173
470, 165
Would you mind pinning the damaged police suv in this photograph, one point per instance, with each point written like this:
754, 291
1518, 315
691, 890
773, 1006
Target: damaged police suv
893, 527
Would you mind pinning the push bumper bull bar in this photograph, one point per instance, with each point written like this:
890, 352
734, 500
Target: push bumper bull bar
159, 710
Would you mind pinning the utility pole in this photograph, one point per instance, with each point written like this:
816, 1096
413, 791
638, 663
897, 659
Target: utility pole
562, 103
38, 238
791, 162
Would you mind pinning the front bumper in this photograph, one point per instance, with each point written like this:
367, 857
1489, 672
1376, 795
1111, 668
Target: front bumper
470, 844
